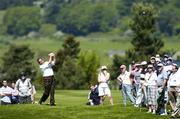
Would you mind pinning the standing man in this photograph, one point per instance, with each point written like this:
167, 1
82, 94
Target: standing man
162, 79
124, 78
23, 85
48, 77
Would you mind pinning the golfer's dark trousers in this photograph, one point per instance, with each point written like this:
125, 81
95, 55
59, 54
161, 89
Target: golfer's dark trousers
49, 89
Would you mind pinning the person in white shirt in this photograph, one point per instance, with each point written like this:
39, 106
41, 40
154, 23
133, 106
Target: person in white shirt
23, 85
103, 78
176, 73
5, 94
173, 86
48, 77
151, 82
15, 94
126, 81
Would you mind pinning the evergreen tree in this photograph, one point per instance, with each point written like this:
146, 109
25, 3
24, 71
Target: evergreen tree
16, 60
70, 49
89, 62
146, 42
70, 75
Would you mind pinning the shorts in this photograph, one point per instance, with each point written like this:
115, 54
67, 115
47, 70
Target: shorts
104, 91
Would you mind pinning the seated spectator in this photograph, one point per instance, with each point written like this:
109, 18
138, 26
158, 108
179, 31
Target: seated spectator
93, 97
15, 94
23, 85
5, 94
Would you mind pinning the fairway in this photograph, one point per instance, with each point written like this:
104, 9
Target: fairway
71, 105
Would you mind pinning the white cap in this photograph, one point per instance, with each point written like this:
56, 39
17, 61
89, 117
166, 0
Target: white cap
143, 63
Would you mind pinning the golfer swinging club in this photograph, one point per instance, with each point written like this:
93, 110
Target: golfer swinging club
48, 78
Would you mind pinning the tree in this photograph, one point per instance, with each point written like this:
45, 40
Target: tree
52, 8
70, 49
16, 60
167, 22
80, 17
89, 62
146, 42
4, 4
70, 75
74, 71
20, 21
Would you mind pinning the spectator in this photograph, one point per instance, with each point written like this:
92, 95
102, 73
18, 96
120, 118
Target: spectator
165, 58
15, 94
151, 80
93, 96
136, 80
5, 94
140, 91
124, 78
154, 63
173, 86
103, 78
23, 85
162, 79
143, 82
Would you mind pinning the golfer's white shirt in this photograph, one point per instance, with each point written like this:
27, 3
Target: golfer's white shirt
46, 69
6, 90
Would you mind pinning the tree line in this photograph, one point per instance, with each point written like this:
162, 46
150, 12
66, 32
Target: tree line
82, 17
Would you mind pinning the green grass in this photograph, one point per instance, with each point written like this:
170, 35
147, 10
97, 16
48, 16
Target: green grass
71, 105
100, 46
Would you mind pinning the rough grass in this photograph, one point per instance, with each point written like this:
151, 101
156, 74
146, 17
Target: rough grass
101, 46
71, 105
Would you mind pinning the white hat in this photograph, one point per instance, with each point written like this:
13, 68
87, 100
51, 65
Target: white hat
103, 67
143, 63
152, 57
